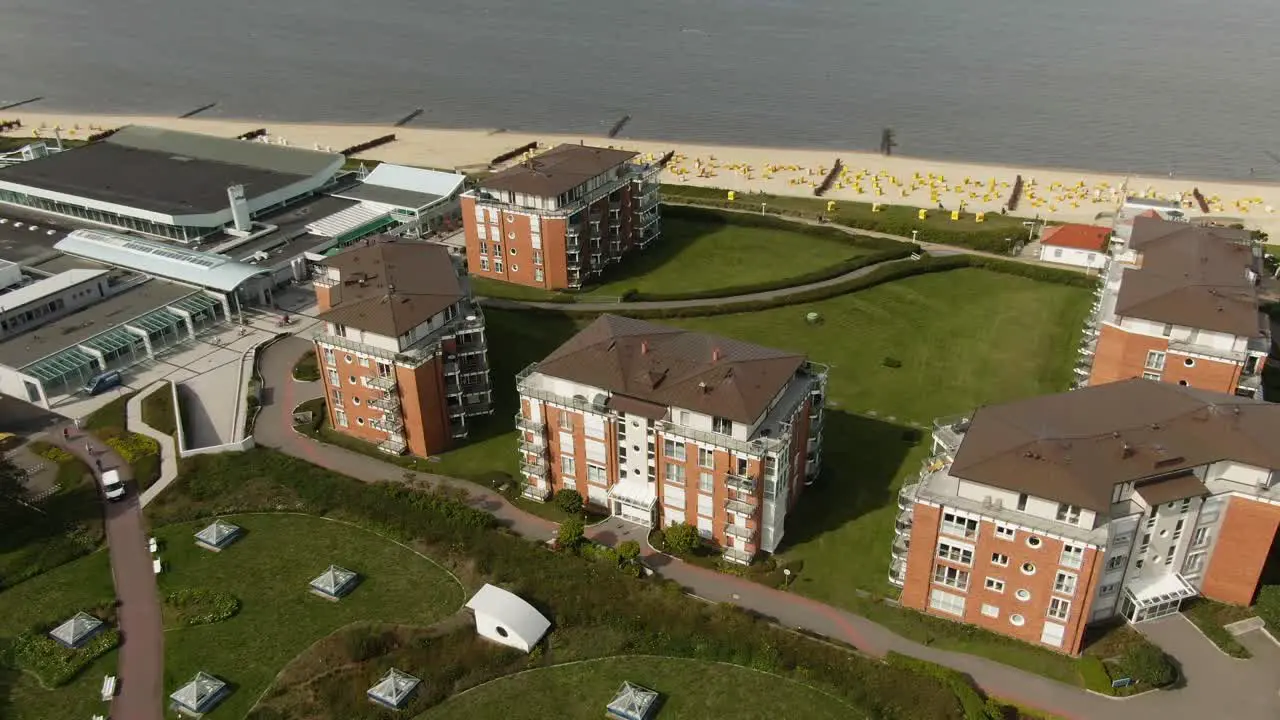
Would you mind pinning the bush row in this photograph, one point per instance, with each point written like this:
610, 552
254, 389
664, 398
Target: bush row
975, 705
49, 451
580, 595
55, 665
199, 606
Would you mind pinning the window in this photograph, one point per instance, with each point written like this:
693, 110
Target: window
537, 257
1177, 528
329, 357
596, 475
1151, 376
1155, 360
1017, 620
334, 379
1168, 557
723, 426
1168, 330
1151, 521
484, 246
337, 398
355, 400
706, 482
951, 577
1000, 559
497, 245
340, 416
1022, 594
1034, 542
348, 359
1200, 537
513, 250
484, 264
995, 585
1028, 568
1072, 556
1189, 362
946, 602
567, 466
537, 275
1069, 513
497, 265
1146, 543
1022, 502
674, 473
1004, 532
1052, 634
515, 267
1059, 609
566, 421
1057, 252
1185, 506
673, 449
479, 214
1194, 563
955, 553
706, 457
1065, 583
991, 611
1109, 589
364, 361
953, 524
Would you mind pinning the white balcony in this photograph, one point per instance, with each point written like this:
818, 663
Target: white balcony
898, 572
383, 382
741, 557
739, 531
742, 507
533, 492
392, 447
534, 468
388, 424
528, 424
741, 483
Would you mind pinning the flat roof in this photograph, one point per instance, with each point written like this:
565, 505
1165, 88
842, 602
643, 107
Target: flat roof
557, 170
389, 196
63, 263
42, 289
77, 327
405, 186
22, 245
169, 172
291, 225
207, 270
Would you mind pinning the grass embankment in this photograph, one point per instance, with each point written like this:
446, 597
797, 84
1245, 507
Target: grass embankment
1211, 617
158, 410
38, 537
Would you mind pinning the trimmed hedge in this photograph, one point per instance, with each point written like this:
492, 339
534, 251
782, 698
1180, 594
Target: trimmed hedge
971, 699
55, 665
199, 606
49, 451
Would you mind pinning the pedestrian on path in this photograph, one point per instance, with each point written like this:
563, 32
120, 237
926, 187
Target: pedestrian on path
66, 434
88, 447
98, 462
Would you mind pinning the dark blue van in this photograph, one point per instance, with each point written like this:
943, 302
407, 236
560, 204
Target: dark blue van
101, 383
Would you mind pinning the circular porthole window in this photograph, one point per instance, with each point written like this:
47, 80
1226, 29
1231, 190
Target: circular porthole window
513, 251
351, 379
359, 421
1017, 620
1033, 541
348, 358
1028, 568
1189, 362
355, 400
1023, 595
1183, 383
502, 632
515, 267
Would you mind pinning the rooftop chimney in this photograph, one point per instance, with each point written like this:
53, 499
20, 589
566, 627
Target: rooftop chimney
239, 208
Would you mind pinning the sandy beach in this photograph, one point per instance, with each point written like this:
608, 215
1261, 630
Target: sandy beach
1055, 194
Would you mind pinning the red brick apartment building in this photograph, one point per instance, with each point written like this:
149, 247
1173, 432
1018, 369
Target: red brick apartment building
560, 218
1039, 517
660, 425
403, 353
1180, 305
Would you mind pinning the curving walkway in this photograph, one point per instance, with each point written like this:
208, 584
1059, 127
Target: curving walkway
1200, 698
140, 694
935, 249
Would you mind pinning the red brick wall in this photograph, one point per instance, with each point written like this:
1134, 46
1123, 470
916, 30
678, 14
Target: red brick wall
1122, 355
426, 416
924, 542
1244, 540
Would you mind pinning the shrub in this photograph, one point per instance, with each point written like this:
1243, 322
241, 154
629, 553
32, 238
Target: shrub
55, 665
132, 447
307, 369
629, 551
1149, 665
51, 452
971, 699
569, 501
199, 606
364, 643
682, 538
570, 533
891, 362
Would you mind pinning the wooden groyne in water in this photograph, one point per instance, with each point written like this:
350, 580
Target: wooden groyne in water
666, 159
252, 134
20, 103
197, 111
514, 153
1199, 196
1015, 194
102, 135
409, 118
617, 127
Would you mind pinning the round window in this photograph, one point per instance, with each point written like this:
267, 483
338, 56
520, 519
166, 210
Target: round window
1017, 620
515, 267
1183, 383
513, 251
502, 632
1033, 541
351, 379
348, 359
1023, 595
359, 421
1028, 568
355, 400
1189, 362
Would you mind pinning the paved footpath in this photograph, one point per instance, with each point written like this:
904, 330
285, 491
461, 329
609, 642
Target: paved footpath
1201, 697
140, 685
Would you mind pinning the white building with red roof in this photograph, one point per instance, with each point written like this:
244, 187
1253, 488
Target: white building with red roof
1077, 245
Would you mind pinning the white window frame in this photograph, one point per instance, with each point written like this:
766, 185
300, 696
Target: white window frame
995, 585
1065, 583
706, 482
568, 466
1200, 538
674, 449
946, 602
999, 559
673, 472
959, 525
1155, 360
951, 577
1006, 532
1059, 609
706, 458
484, 263
1069, 514
1194, 564
340, 417
955, 552
597, 474
990, 611
1072, 556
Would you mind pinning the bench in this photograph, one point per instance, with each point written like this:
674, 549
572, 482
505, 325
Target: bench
157, 566
108, 687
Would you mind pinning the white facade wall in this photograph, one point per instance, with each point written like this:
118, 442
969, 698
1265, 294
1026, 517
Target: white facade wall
1036, 507
1239, 473
1180, 333
1094, 259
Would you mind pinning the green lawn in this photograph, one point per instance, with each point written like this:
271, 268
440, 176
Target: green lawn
690, 690
66, 525
695, 255
82, 584
268, 570
307, 369
109, 424
158, 410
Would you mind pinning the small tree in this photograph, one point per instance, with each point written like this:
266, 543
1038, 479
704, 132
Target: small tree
569, 501
1148, 665
570, 533
682, 538
629, 552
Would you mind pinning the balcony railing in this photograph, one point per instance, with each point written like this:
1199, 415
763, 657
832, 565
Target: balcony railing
907, 496
738, 531
741, 483
742, 557
898, 572
383, 382
534, 468
533, 492
389, 402
529, 424
389, 424
902, 525
392, 447
469, 317
742, 507
533, 443
901, 544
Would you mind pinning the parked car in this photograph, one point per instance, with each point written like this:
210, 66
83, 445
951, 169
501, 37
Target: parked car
101, 383
112, 485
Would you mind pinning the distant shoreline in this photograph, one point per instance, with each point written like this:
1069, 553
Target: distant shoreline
469, 149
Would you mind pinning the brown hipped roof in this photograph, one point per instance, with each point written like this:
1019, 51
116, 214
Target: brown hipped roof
673, 367
1081, 237
390, 287
557, 170
1074, 447
1167, 489
1192, 276
1150, 227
